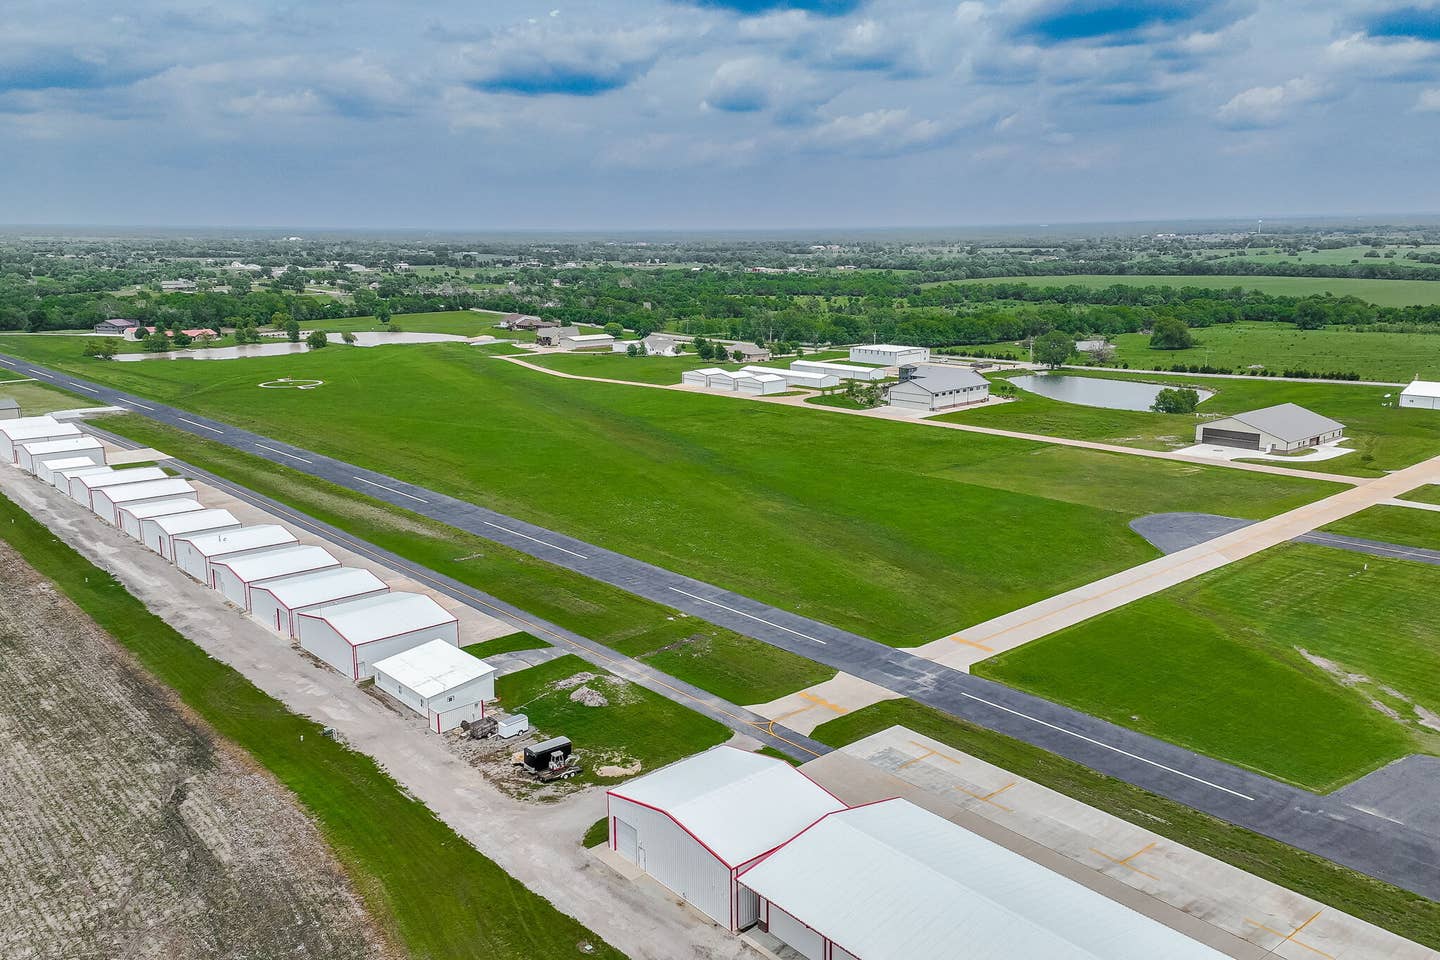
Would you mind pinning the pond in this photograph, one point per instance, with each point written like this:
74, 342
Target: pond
1095, 392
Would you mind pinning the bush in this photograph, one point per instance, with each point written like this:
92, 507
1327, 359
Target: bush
1176, 400
317, 340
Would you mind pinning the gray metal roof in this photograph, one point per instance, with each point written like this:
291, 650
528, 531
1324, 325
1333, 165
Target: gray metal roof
9, 403
937, 378
1288, 421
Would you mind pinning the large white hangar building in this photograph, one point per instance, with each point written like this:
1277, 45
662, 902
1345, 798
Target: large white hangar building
1282, 428
888, 354
159, 533
84, 485
30, 453
197, 553
354, 635
696, 824
236, 577
132, 515
108, 501
30, 430
276, 603
892, 881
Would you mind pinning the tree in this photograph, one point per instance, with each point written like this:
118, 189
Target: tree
279, 319
182, 339
738, 356
156, 342
615, 330
382, 313
292, 330
315, 340
1311, 314
1176, 400
1053, 348
1170, 333
348, 337
102, 348
630, 351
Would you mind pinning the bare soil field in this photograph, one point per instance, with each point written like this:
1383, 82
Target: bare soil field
129, 829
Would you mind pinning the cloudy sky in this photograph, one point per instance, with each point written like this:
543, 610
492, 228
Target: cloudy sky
714, 113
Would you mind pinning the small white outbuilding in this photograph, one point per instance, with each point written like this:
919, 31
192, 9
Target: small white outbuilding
107, 501
443, 684
237, 576
196, 553
13, 433
761, 384
83, 486
46, 469
132, 515
159, 533
696, 824
1422, 395
354, 635
276, 602
31, 453
892, 881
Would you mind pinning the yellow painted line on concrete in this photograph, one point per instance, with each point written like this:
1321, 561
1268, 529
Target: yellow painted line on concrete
1129, 862
1292, 936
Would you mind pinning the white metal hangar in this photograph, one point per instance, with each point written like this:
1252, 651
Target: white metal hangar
237, 576
443, 684
892, 881
845, 371
196, 553
796, 377
83, 486
46, 469
32, 452
132, 515
60, 477
937, 388
30, 430
1281, 428
275, 603
107, 501
1421, 394
353, 635
696, 824
159, 533
700, 377
888, 354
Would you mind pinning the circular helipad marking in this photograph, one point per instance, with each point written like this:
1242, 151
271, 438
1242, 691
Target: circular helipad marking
287, 383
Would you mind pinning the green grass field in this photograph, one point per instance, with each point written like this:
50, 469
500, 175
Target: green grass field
1384, 438
844, 519
1430, 493
1342, 256
618, 366
1307, 663
462, 323
1395, 357
1404, 913
1385, 293
1403, 525
635, 725
509, 643
738, 668
35, 399
428, 888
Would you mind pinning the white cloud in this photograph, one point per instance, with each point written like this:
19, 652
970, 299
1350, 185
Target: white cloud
1428, 101
1269, 106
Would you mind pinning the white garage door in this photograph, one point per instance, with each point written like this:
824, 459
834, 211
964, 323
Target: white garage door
625, 841
907, 404
801, 938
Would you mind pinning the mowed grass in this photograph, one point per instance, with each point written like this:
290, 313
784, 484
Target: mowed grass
1430, 493
36, 400
664, 370
1406, 526
1395, 357
1306, 663
1374, 901
635, 724
737, 668
510, 643
462, 323
1385, 293
1383, 437
428, 887
896, 531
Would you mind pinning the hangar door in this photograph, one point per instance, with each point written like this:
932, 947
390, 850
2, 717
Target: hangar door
1230, 438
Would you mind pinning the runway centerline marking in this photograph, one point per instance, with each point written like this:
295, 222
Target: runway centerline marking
542, 543
715, 603
281, 452
200, 425
391, 489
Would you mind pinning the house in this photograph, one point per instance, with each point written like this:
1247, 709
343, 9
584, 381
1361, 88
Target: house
354, 635
116, 326
656, 345
132, 515
28, 454
107, 501
9, 408
844, 371
521, 321
749, 352
814, 379
697, 824
551, 336
587, 341
277, 602
889, 354
197, 553
443, 684
177, 286
937, 388
83, 487
29, 430
236, 577
1282, 428
159, 533
1422, 394
892, 881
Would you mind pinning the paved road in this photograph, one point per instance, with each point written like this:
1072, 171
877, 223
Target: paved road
1326, 826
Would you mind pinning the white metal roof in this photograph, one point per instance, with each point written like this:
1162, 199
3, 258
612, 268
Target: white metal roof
738, 804
95, 481
66, 464
375, 618
196, 520
827, 366
1422, 388
162, 508
322, 586
433, 668
41, 428
767, 377
39, 448
815, 375
931, 890
708, 371
886, 348
220, 542
1288, 421
588, 337
146, 489
80, 470
280, 562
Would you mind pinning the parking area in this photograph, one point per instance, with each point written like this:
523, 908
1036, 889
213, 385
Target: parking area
1235, 912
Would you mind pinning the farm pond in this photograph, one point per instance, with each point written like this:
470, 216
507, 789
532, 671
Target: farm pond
1094, 392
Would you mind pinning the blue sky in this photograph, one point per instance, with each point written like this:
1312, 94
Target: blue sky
715, 113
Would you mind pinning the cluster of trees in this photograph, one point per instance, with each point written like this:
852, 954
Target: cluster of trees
718, 352
1176, 400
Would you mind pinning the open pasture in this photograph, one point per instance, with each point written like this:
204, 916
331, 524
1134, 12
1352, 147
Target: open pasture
1385, 293
461, 323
